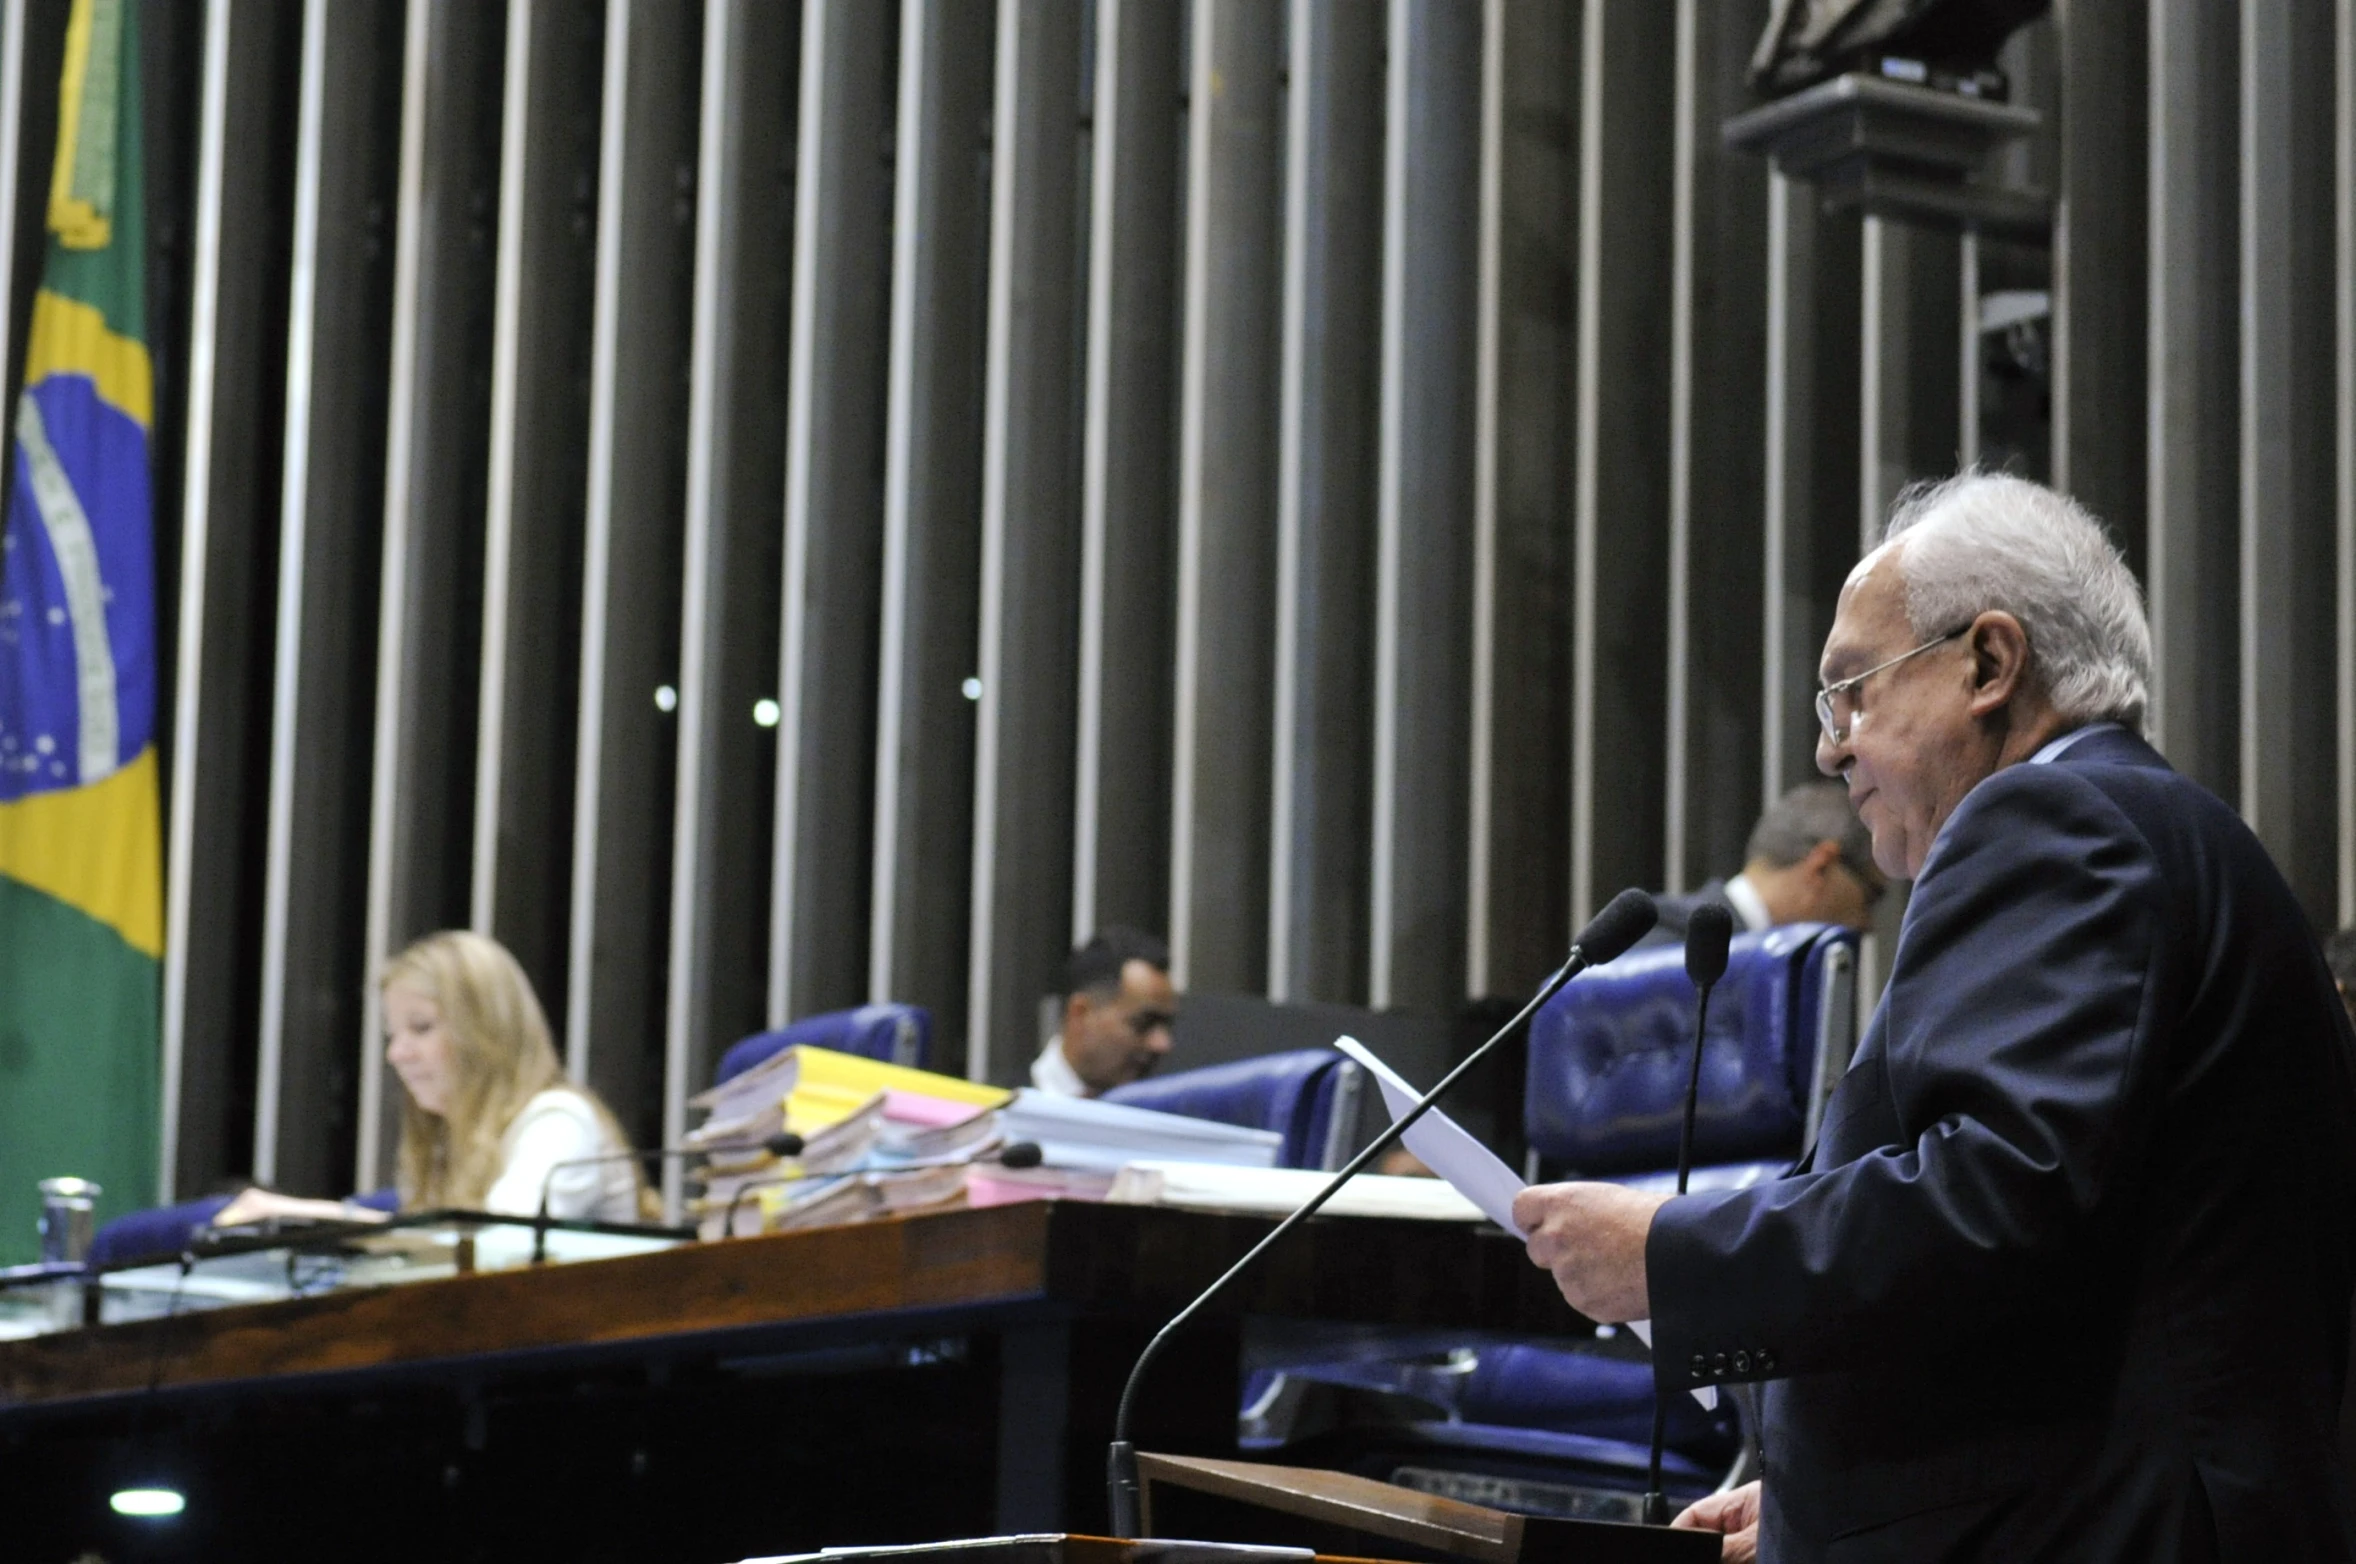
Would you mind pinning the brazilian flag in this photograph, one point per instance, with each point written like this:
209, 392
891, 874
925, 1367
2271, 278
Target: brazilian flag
81, 870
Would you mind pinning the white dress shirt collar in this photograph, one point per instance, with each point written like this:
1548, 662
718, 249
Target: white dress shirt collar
1052, 1073
1749, 905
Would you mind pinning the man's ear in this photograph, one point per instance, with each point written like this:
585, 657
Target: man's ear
1075, 1010
2000, 661
1820, 859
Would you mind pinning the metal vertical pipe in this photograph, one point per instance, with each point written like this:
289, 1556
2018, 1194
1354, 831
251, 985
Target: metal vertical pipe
1518, 877
543, 299
920, 901
1226, 488
2344, 574
625, 757
1121, 791
2289, 623
2098, 241
1022, 830
419, 831
833, 515
188, 726
736, 400
2192, 407
12, 74
1423, 574
1718, 319
1321, 757
1619, 651
330, 509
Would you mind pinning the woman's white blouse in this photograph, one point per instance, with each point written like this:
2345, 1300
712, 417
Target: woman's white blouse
556, 1127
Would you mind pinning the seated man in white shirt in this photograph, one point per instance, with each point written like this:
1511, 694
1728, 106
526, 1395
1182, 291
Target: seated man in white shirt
1809, 860
1117, 1011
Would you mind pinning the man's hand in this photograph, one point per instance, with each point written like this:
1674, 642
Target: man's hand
1591, 1236
1734, 1515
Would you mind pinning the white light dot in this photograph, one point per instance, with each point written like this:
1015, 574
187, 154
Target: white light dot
765, 712
148, 1501
665, 698
45, 744
57, 616
972, 688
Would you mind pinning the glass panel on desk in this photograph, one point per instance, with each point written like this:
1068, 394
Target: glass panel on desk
233, 1266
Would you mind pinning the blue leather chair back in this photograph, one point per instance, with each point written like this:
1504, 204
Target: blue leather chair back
1610, 1053
1307, 1095
895, 1034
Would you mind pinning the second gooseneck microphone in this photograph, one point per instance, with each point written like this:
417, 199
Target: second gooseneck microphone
1707, 936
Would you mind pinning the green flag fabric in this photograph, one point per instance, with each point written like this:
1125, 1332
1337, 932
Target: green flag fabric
81, 857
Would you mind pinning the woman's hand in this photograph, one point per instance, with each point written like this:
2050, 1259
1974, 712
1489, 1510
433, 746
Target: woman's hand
1734, 1515
262, 1205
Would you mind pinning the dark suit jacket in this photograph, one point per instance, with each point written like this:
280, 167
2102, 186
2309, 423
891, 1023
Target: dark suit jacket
1677, 911
2067, 1274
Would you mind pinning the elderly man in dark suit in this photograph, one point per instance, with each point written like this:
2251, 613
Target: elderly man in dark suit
1809, 860
2067, 1273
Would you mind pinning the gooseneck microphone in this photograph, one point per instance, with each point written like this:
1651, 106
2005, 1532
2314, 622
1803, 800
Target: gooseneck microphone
1628, 917
1706, 938
780, 1145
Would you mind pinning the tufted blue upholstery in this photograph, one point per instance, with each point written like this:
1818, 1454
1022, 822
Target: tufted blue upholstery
896, 1034
1296, 1094
1609, 1056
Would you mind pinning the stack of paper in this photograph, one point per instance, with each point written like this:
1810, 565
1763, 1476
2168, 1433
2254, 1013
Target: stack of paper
1080, 1132
805, 1089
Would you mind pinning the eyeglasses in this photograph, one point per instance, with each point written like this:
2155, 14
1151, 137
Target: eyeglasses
1836, 729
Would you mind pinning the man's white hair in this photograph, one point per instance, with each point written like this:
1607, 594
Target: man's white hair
1983, 541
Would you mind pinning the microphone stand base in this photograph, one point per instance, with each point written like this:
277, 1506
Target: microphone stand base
1656, 1508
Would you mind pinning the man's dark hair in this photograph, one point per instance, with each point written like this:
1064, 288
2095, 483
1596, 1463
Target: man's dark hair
1810, 813
1096, 966
2340, 952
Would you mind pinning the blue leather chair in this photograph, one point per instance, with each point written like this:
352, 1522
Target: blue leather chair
1307, 1095
1547, 1427
895, 1034
163, 1232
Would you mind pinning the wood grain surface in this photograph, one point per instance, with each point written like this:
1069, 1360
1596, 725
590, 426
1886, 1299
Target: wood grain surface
1098, 1259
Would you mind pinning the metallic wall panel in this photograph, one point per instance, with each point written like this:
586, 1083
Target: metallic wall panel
2344, 572
2099, 243
1220, 760
720, 863
2192, 398
1321, 816
1022, 811
429, 613
330, 518
1121, 793
1423, 576
1627, 140
219, 774
1518, 880
1908, 380
1718, 354
2289, 622
637, 479
833, 514
543, 306
1810, 530
924, 735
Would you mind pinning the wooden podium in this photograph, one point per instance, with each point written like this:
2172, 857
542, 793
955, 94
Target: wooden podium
1336, 1513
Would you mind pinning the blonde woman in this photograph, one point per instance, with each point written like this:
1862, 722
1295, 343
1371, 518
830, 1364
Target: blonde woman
490, 1122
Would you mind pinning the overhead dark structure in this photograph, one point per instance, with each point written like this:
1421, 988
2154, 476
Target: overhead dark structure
1809, 41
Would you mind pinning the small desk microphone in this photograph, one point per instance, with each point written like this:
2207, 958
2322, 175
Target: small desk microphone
1706, 938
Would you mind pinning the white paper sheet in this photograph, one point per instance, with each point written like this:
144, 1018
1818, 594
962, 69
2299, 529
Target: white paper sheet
1471, 1169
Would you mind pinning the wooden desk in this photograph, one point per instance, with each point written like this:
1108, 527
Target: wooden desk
761, 1395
